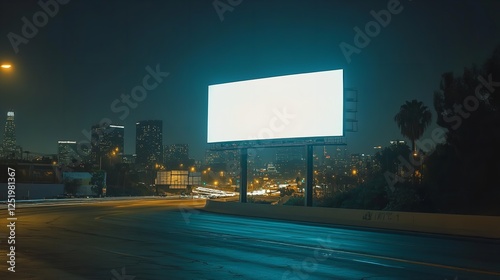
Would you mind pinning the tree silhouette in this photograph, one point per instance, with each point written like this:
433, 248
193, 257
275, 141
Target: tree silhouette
71, 186
412, 119
464, 175
98, 182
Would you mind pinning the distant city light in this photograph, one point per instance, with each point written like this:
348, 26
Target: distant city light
66, 142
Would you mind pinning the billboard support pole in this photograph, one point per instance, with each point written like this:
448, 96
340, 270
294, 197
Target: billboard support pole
309, 175
243, 177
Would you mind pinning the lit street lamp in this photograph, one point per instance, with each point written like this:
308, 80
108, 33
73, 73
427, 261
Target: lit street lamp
6, 67
7, 70
110, 155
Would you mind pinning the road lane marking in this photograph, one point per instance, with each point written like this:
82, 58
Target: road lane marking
124, 254
442, 266
375, 263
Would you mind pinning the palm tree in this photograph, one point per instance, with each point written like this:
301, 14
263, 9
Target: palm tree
412, 119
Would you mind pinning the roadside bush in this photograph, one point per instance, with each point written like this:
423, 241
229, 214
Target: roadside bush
295, 201
370, 196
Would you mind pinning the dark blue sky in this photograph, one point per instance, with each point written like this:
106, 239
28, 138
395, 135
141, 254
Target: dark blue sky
91, 52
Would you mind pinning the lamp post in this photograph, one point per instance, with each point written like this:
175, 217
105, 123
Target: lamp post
7, 76
111, 154
153, 177
6, 68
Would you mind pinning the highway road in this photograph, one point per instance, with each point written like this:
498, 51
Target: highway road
159, 238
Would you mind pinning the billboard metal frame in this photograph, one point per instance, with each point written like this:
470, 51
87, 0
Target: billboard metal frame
308, 143
290, 142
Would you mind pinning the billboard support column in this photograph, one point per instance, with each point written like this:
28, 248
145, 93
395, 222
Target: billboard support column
309, 176
243, 177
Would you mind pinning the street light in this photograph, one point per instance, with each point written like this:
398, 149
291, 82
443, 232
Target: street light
110, 156
6, 68
7, 73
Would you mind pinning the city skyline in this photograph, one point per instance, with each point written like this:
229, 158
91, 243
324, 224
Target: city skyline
111, 140
59, 79
9, 140
250, 139
149, 143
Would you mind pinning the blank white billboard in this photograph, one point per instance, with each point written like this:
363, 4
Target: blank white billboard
292, 106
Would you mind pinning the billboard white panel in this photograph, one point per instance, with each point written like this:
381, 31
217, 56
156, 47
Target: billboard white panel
292, 106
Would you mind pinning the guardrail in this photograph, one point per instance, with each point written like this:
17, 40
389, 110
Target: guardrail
460, 225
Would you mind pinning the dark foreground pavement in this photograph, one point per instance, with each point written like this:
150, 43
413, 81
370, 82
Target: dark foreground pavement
169, 239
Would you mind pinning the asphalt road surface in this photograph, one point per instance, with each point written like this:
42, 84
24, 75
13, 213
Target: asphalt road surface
172, 239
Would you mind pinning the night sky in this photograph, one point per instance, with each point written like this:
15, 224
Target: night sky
91, 52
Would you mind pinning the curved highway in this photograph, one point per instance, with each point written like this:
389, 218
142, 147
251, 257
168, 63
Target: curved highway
159, 238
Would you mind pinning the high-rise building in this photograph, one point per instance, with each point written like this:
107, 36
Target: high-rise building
213, 157
149, 143
227, 161
356, 161
340, 162
130, 159
175, 155
289, 154
290, 161
9, 139
116, 139
67, 153
107, 143
361, 165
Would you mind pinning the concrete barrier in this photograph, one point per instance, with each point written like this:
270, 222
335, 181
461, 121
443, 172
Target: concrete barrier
460, 225
32, 191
